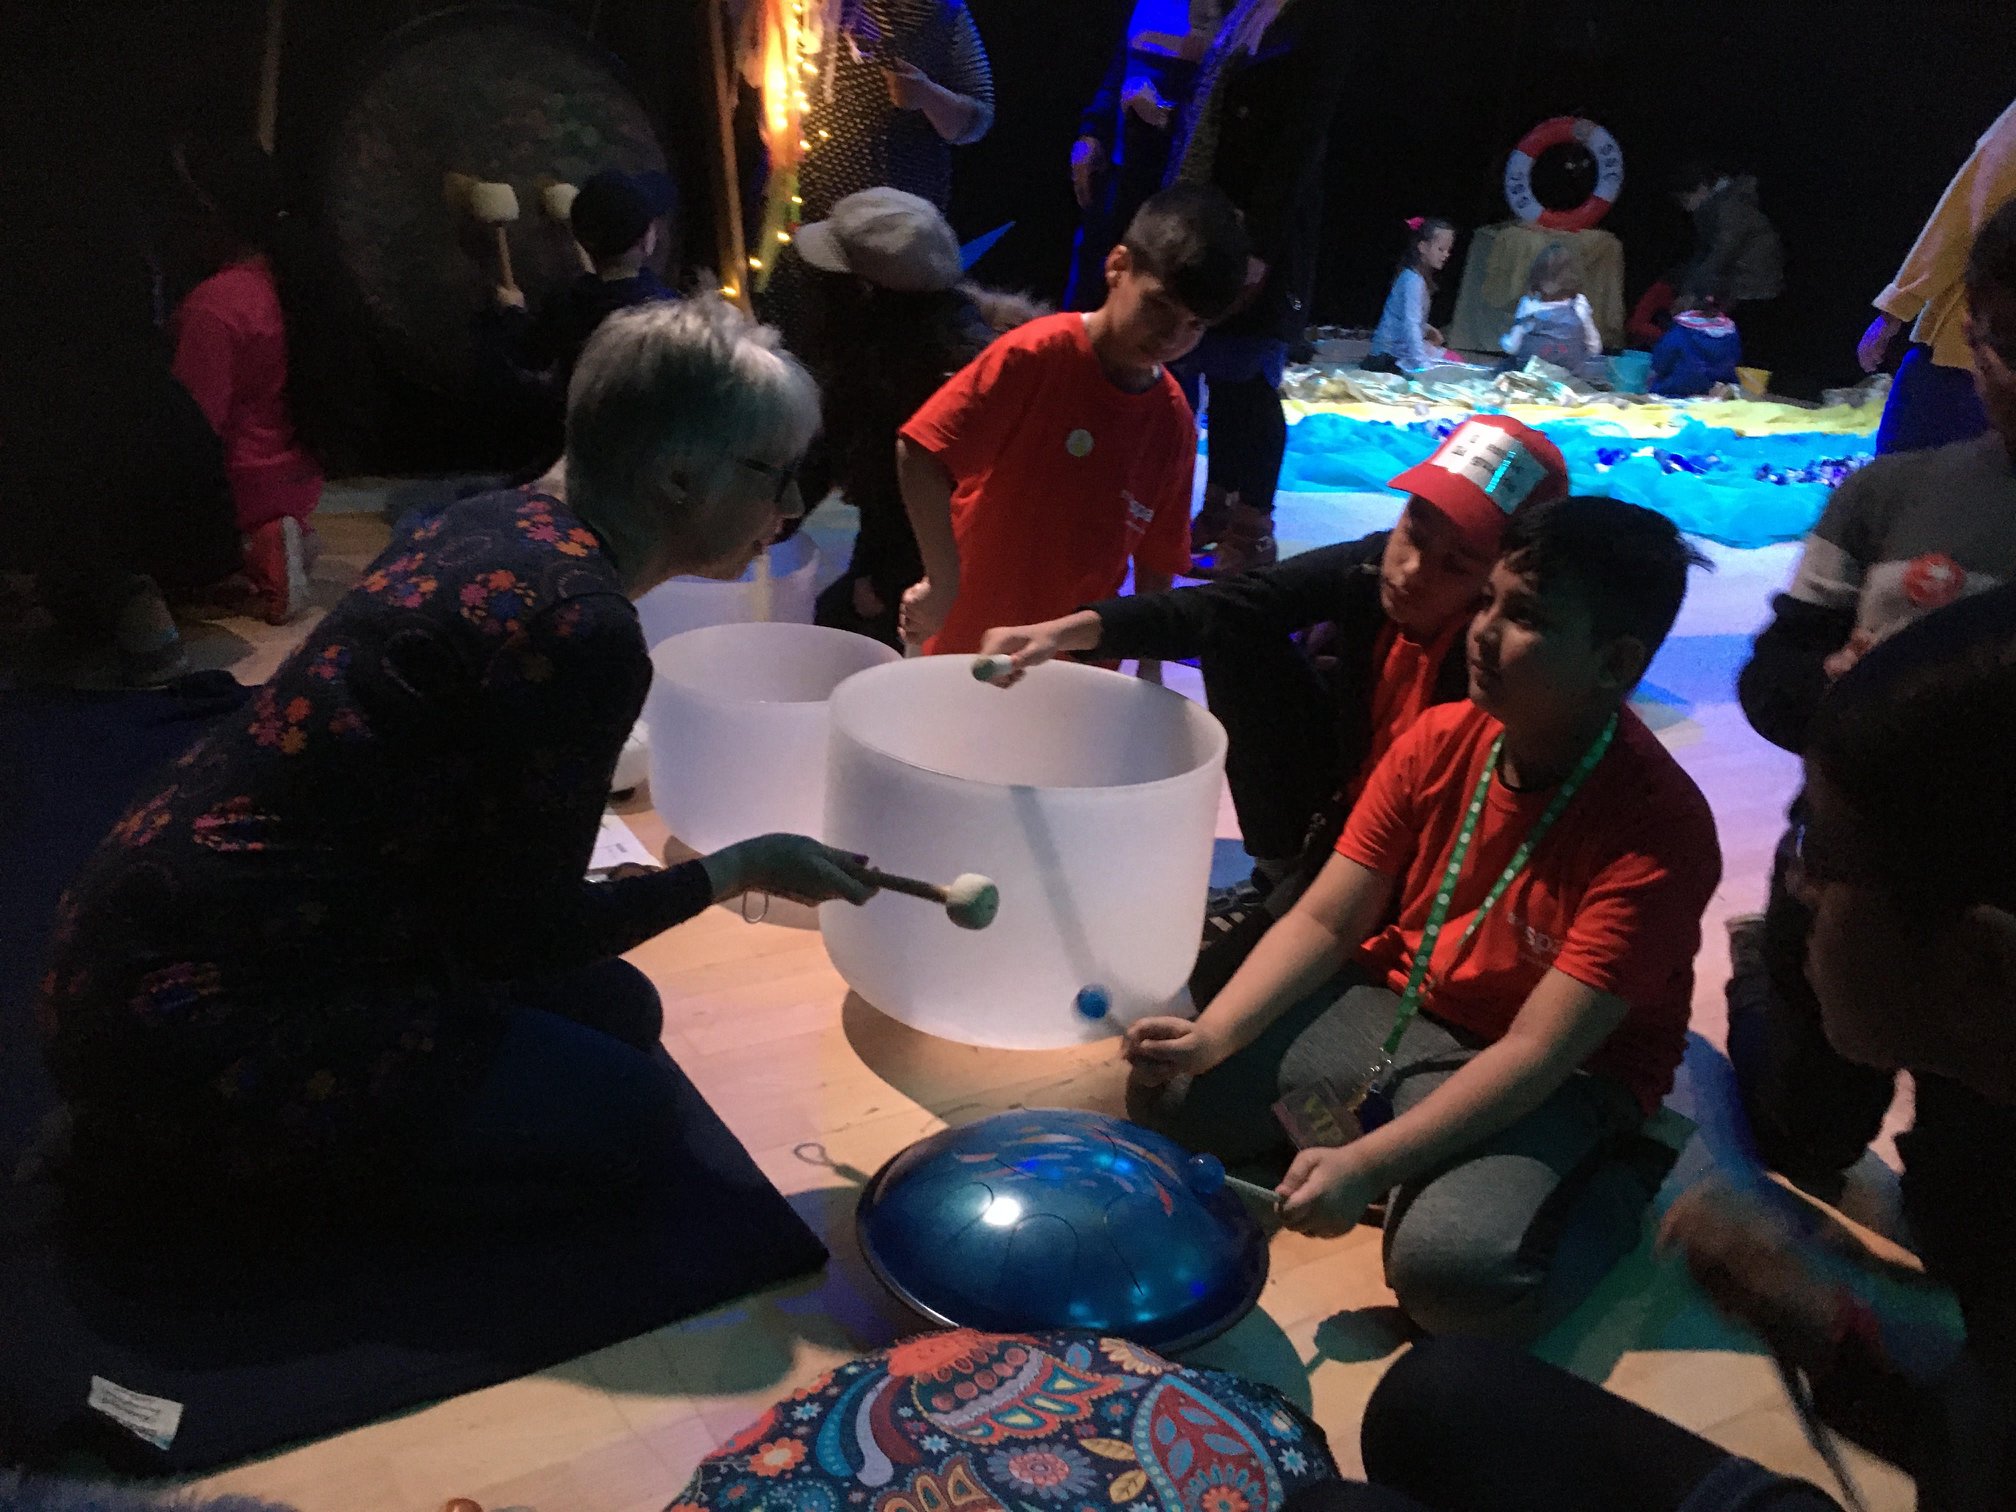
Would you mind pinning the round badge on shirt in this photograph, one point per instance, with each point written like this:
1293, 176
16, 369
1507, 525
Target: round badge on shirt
1934, 580
1079, 443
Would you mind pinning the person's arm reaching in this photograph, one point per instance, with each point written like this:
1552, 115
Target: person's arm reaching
555, 702
1938, 258
1266, 603
1294, 958
960, 110
1561, 1024
1150, 582
927, 500
1346, 902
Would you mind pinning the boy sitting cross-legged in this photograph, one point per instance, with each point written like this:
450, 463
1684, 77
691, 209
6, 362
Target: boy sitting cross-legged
1511, 918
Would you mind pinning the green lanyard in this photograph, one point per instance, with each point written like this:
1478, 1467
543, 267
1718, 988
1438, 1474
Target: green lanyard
1410, 998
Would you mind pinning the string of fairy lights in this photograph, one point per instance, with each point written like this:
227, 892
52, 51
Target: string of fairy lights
792, 43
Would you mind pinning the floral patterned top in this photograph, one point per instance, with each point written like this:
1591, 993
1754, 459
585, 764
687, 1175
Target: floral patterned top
1048, 1422
286, 954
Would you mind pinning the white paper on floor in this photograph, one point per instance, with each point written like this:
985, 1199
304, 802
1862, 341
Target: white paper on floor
615, 844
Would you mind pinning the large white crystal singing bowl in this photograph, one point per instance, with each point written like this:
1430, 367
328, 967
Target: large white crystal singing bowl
737, 716
691, 603
1090, 798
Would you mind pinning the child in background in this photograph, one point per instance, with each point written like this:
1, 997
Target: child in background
1737, 252
887, 322
247, 340
1404, 341
1066, 448
1699, 350
1553, 321
616, 220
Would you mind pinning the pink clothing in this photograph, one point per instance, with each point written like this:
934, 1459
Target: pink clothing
231, 354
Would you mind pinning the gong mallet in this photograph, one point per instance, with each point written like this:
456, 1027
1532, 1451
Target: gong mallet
496, 206
971, 901
557, 199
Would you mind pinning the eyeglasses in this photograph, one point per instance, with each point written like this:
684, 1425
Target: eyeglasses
786, 479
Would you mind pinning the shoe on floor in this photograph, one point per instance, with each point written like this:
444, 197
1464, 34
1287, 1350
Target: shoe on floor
1226, 907
150, 647
1210, 523
1246, 543
276, 561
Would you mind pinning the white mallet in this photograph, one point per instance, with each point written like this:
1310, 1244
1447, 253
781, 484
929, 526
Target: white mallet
557, 199
495, 205
970, 902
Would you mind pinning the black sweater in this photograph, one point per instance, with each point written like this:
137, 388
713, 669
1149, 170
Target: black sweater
1334, 584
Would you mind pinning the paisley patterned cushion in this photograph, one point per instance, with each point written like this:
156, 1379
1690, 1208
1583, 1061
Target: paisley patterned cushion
1053, 1422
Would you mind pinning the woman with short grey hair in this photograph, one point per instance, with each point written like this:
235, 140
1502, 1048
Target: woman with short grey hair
343, 957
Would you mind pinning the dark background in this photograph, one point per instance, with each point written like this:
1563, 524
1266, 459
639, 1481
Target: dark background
1853, 115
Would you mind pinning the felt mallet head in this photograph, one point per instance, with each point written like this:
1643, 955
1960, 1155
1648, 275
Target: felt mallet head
558, 200
493, 204
972, 901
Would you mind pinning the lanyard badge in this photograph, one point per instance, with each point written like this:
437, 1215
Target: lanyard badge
1334, 1112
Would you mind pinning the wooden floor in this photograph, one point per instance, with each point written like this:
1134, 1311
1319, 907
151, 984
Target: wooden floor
823, 1089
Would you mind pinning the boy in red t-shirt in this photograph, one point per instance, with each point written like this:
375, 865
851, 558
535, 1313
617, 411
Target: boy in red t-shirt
1557, 861
1065, 449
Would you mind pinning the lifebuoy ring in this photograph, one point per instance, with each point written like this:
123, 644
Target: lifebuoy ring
1555, 133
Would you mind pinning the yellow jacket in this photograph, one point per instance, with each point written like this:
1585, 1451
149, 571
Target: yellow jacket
1929, 287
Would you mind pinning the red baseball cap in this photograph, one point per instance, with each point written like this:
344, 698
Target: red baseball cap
1484, 470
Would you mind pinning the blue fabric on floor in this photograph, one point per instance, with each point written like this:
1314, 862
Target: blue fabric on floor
1708, 480
261, 1354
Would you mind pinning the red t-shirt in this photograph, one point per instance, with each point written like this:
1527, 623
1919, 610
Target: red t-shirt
1612, 896
1059, 478
231, 354
1402, 691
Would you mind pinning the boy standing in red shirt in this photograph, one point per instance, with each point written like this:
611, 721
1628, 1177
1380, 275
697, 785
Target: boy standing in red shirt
1515, 904
1065, 449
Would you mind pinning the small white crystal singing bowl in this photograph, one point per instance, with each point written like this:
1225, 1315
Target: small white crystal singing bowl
690, 603
737, 717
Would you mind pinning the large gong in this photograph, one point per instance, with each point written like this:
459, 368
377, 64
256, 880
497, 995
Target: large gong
502, 93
